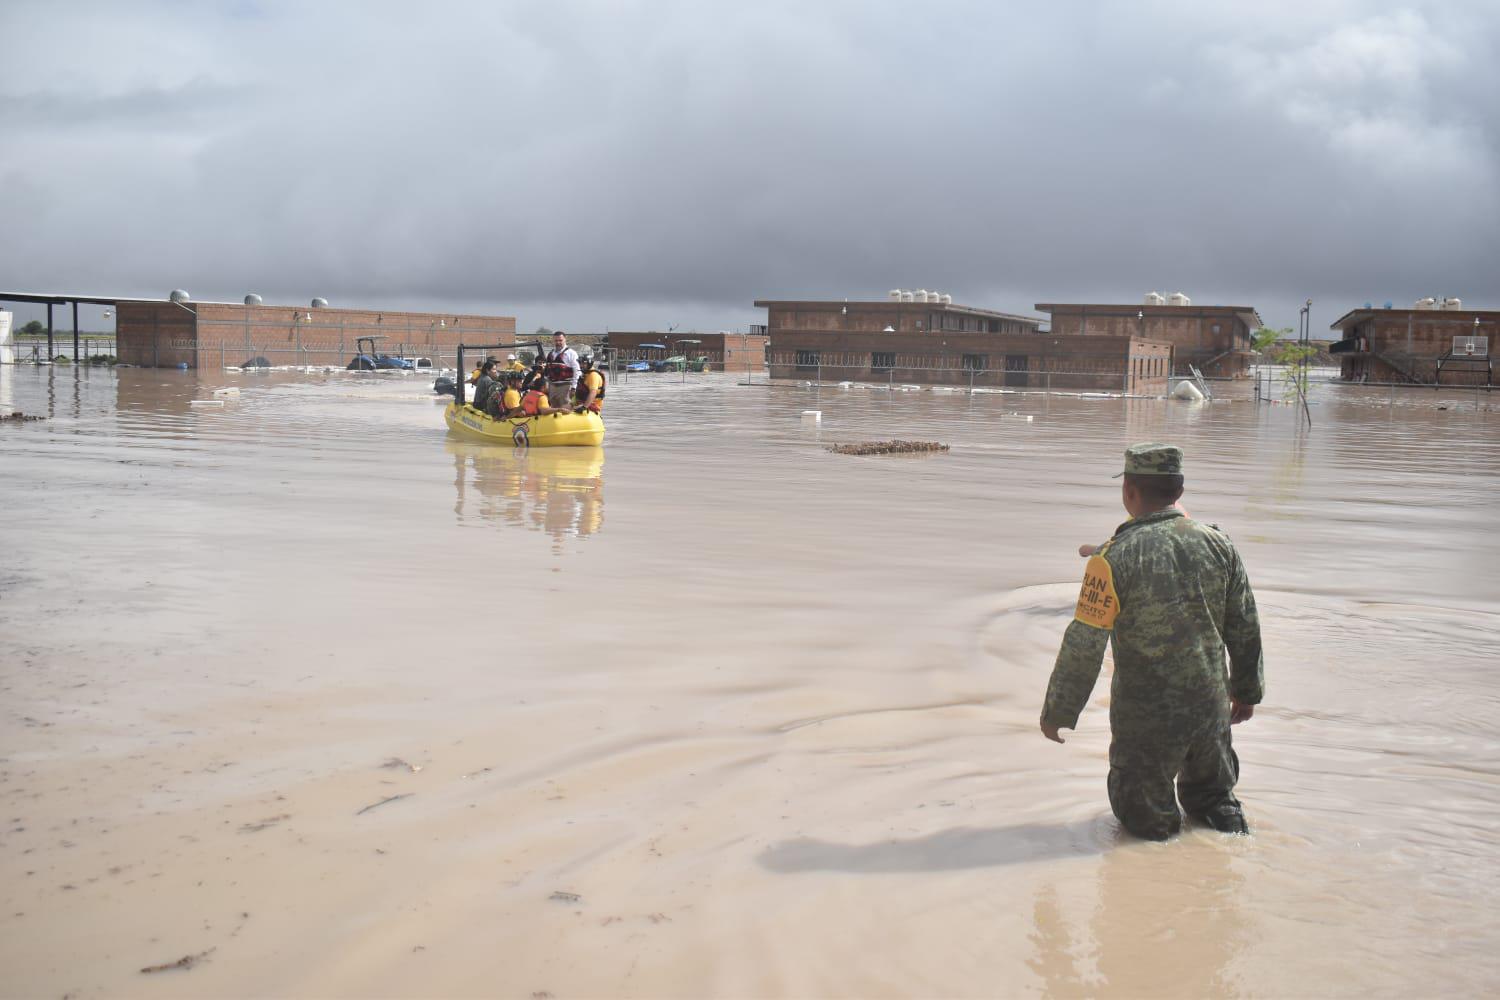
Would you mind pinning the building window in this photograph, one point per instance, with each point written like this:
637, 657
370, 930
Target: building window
808, 360
976, 362
883, 361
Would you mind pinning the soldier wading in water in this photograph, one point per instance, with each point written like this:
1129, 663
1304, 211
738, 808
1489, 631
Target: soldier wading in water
1172, 595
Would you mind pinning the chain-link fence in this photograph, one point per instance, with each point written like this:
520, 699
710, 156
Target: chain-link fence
32, 349
1147, 375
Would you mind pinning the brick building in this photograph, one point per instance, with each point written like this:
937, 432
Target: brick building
163, 333
1430, 345
1214, 339
725, 351
943, 344
893, 315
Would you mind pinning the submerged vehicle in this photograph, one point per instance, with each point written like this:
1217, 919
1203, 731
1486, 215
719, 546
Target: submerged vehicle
688, 361
369, 358
645, 364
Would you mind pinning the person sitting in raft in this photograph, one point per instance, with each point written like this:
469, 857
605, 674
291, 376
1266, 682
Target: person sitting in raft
478, 370
590, 392
508, 402
485, 387
534, 377
534, 400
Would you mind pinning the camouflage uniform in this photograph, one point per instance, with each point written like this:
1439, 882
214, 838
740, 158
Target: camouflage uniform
1172, 594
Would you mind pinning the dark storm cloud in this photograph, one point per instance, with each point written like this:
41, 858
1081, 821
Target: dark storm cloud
633, 163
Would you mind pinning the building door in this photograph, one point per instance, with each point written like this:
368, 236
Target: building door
1016, 368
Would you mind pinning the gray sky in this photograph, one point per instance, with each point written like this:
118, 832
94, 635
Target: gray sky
635, 165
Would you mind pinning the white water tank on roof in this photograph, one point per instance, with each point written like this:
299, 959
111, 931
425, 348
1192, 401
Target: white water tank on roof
1453, 303
921, 295
1178, 299
1427, 303
895, 294
320, 303
1155, 299
907, 297
178, 295
947, 299
252, 299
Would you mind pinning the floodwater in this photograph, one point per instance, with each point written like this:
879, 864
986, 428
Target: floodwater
712, 712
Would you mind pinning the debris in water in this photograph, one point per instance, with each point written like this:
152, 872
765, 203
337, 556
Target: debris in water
18, 417
185, 962
388, 798
887, 447
566, 897
396, 763
269, 821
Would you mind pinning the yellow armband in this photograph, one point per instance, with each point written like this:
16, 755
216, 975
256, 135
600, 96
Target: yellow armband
1098, 604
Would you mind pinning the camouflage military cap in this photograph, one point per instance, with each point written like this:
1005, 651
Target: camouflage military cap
1152, 460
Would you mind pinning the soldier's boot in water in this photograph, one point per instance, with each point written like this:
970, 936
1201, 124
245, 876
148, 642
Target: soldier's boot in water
1226, 817
1206, 783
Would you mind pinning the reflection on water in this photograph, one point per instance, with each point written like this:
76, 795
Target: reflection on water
1156, 926
556, 490
775, 729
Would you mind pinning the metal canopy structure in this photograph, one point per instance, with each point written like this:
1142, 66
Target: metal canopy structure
460, 379
49, 300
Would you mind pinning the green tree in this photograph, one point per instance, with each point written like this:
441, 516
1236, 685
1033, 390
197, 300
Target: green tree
33, 329
1296, 358
1266, 337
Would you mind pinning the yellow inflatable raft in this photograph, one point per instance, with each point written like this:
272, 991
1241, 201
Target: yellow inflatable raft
546, 431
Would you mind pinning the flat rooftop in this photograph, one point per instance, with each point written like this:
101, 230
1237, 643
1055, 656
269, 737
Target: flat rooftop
1246, 313
1453, 315
887, 305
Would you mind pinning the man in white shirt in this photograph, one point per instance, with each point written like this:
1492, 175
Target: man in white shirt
561, 367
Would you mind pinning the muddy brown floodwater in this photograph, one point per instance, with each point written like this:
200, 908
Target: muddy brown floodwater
712, 712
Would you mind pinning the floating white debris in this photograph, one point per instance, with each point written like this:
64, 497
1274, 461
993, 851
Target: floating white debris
229, 392
205, 402
812, 417
1187, 391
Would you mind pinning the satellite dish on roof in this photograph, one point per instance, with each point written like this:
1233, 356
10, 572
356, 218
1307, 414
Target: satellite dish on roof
178, 295
320, 303
252, 299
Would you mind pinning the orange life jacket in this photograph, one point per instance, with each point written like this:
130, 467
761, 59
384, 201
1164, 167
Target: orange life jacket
530, 401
